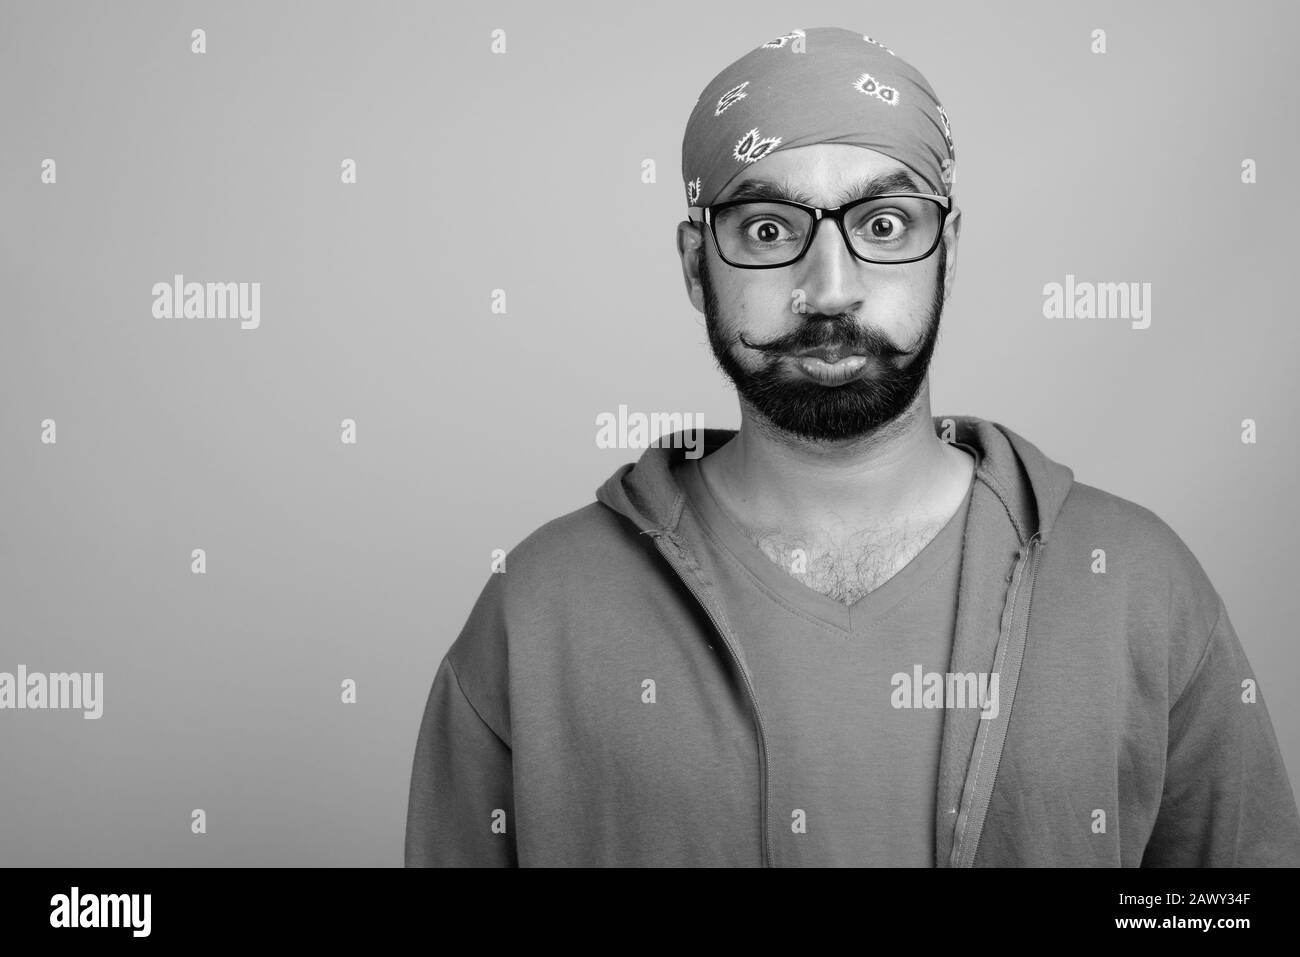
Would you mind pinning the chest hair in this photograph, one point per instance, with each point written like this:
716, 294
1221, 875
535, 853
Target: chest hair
845, 566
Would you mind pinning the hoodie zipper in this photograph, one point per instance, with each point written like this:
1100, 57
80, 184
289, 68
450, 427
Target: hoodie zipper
983, 790
749, 687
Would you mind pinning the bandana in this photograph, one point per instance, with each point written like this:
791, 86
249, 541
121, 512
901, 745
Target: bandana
822, 85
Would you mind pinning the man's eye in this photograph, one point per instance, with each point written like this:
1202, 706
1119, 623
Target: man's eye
883, 227
768, 231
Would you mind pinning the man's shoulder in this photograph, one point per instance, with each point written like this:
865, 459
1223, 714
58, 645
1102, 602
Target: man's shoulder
558, 568
572, 556
1089, 508
1131, 540
582, 537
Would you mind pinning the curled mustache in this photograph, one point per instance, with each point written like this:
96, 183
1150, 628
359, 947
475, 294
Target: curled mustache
842, 332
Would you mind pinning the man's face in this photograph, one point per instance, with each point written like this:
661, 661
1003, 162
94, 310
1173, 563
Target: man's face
872, 326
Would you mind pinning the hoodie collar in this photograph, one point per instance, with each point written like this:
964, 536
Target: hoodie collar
1030, 486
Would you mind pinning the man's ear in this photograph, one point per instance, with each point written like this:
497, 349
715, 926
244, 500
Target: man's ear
951, 230
690, 248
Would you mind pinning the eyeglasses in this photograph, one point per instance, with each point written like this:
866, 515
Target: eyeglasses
764, 234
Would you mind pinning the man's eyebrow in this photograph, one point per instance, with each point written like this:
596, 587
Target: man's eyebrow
896, 182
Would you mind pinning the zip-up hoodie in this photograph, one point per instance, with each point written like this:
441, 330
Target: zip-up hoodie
597, 708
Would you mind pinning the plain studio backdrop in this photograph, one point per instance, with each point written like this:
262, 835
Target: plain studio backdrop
524, 172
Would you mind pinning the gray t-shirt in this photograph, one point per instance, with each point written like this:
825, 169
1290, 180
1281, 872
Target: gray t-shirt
853, 778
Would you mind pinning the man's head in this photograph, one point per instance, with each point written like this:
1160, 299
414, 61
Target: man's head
829, 347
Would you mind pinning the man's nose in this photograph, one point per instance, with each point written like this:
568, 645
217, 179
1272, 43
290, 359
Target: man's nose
830, 275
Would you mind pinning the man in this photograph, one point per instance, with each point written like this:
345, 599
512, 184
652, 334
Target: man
851, 633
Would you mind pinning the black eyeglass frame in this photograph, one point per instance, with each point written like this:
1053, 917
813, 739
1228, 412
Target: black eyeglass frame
837, 213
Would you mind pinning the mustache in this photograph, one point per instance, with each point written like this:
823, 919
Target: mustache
817, 332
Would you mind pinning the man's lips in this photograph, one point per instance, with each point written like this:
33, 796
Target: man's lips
830, 354
830, 366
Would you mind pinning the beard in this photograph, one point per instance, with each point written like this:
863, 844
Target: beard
811, 410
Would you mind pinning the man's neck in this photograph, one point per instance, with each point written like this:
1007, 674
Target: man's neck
902, 474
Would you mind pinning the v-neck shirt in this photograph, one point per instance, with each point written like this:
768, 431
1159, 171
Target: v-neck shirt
853, 778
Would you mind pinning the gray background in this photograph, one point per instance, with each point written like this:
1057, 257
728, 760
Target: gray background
522, 172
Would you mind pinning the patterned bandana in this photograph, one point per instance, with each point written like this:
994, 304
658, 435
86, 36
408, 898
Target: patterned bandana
822, 85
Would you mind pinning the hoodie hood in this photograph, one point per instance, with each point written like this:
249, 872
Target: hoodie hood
1030, 486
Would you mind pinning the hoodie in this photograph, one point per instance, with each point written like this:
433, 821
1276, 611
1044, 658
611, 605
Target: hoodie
596, 708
